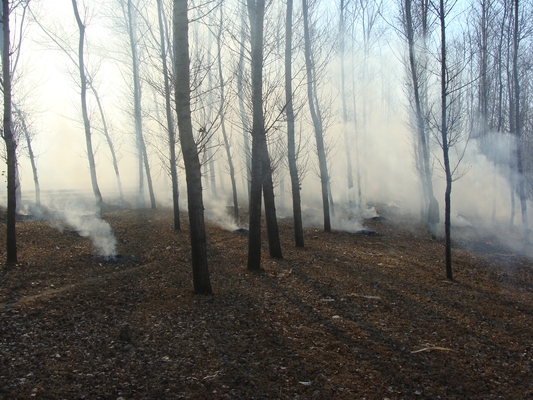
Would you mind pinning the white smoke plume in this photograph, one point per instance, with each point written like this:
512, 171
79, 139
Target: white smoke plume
98, 230
77, 212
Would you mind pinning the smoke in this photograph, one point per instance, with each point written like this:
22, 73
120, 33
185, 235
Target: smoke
98, 230
67, 210
220, 212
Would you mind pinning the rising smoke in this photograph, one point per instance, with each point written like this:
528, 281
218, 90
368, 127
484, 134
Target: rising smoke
79, 215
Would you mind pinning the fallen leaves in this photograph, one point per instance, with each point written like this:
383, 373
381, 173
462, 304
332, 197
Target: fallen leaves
327, 321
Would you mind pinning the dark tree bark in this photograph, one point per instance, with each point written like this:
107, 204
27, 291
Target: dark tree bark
11, 145
83, 94
256, 9
274, 245
170, 120
317, 121
289, 109
193, 169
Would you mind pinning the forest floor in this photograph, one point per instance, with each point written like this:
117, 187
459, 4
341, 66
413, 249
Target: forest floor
350, 316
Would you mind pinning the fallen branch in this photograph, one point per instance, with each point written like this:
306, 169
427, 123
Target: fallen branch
431, 349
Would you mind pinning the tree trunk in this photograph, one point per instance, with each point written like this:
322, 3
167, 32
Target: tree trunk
86, 122
433, 206
210, 175
289, 109
223, 122
445, 144
31, 155
170, 120
108, 140
137, 110
242, 110
256, 9
347, 143
274, 245
11, 145
317, 121
518, 121
193, 170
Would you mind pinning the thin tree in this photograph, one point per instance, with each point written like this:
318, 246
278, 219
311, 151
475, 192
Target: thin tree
223, 119
11, 145
314, 109
289, 110
432, 213
193, 169
31, 154
242, 111
129, 16
517, 117
170, 119
347, 147
66, 49
108, 139
85, 114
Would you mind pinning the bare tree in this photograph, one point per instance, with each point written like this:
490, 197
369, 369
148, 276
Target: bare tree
66, 48
451, 126
170, 119
415, 67
31, 155
223, 119
129, 16
240, 95
256, 9
193, 171
289, 109
517, 114
314, 108
9, 138
85, 114
347, 147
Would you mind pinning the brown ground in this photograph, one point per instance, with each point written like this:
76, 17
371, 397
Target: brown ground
350, 316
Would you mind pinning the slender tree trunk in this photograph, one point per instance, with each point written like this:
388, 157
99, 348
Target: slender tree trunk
86, 122
223, 121
347, 142
433, 210
31, 155
193, 169
137, 110
170, 120
356, 141
148, 173
256, 9
445, 144
210, 175
289, 109
108, 140
317, 122
518, 121
11, 145
242, 110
